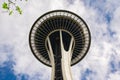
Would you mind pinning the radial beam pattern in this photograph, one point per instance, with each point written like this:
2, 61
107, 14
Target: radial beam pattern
59, 20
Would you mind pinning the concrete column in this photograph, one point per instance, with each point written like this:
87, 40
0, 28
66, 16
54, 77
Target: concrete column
65, 58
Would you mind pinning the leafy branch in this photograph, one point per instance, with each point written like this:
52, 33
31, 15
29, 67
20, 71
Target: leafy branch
18, 9
11, 6
5, 6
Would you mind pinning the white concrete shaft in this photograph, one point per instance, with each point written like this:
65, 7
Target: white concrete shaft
65, 61
51, 56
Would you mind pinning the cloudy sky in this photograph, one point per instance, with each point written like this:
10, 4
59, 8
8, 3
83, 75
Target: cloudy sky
102, 61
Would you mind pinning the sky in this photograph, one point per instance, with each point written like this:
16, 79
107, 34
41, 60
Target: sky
102, 61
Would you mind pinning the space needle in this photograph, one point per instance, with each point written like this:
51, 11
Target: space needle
60, 39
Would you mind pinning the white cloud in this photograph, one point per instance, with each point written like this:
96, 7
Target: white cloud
116, 22
14, 30
114, 76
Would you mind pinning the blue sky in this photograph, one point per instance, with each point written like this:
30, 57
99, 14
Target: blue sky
102, 61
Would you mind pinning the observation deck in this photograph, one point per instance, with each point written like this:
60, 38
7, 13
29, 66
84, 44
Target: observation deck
56, 32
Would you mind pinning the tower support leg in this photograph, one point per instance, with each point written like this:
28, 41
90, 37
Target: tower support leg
65, 63
66, 59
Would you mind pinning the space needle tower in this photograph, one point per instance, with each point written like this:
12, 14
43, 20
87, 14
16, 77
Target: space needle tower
60, 39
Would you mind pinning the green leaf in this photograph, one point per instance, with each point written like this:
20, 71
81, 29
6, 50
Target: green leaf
10, 13
18, 9
5, 6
